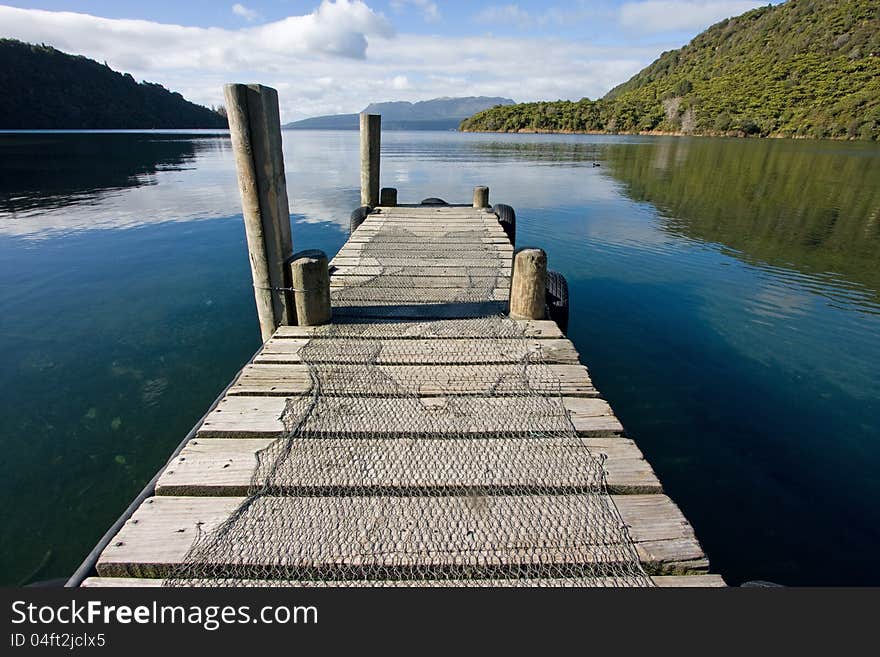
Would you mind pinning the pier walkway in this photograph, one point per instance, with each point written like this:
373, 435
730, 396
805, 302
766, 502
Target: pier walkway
415, 416
380, 491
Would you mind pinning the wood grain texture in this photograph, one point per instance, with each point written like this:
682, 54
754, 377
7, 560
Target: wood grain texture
405, 241
661, 581
425, 270
259, 379
162, 529
460, 262
370, 142
529, 284
540, 329
443, 351
218, 467
244, 417
422, 282
243, 146
429, 244
310, 280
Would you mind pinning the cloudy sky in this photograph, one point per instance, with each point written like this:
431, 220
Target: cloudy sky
328, 57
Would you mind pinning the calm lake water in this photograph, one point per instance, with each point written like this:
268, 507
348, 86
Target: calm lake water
725, 295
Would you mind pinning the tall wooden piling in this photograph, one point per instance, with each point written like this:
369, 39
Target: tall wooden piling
255, 129
528, 287
371, 131
481, 197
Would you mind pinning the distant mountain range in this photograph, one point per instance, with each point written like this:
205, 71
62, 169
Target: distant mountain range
435, 114
44, 88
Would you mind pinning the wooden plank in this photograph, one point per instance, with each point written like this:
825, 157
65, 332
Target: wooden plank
430, 246
426, 208
692, 581
439, 212
418, 244
424, 282
449, 232
458, 213
252, 417
457, 288
369, 294
472, 230
428, 269
377, 536
225, 467
446, 234
428, 254
457, 223
436, 218
417, 309
662, 581
430, 380
366, 237
539, 329
394, 261
466, 208
445, 351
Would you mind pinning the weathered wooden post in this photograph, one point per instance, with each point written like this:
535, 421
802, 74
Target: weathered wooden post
255, 129
481, 197
388, 197
371, 141
310, 280
528, 289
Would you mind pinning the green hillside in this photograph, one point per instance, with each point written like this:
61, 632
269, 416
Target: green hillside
44, 88
806, 68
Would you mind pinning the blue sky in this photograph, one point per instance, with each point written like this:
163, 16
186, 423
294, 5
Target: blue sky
329, 56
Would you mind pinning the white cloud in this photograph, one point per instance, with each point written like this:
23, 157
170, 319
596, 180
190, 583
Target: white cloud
337, 59
244, 12
655, 16
399, 82
430, 12
335, 28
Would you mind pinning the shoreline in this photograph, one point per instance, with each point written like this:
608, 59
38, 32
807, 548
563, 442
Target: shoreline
661, 133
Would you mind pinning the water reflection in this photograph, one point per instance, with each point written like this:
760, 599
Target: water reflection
724, 294
812, 208
61, 182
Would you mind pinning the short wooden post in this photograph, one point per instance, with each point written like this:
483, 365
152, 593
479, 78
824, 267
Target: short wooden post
528, 289
310, 280
481, 197
388, 197
371, 136
255, 130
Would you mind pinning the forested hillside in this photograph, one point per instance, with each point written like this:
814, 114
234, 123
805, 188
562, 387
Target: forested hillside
806, 68
44, 88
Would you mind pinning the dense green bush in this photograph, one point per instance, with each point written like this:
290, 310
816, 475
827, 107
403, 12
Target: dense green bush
46, 88
806, 68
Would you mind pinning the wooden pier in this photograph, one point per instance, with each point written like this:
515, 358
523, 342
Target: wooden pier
206, 481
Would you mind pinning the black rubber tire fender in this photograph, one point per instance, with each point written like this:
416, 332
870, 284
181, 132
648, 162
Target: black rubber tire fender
557, 299
357, 217
507, 218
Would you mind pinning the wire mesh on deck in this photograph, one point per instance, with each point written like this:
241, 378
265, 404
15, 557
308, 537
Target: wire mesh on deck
385, 477
395, 260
